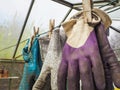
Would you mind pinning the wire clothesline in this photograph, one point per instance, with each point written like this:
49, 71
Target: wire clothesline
117, 30
22, 41
22, 55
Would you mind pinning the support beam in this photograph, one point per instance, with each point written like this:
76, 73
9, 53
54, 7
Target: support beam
66, 4
69, 11
115, 19
78, 6
114, 10
10, 61
63, 2
25, 22
115, 29
95, 2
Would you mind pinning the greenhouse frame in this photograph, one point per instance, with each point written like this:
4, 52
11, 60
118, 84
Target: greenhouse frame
18, 17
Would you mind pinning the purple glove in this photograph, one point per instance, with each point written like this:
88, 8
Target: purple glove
108, 57
82, 63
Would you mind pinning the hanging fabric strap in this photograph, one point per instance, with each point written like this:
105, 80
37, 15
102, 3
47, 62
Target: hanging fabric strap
87, 10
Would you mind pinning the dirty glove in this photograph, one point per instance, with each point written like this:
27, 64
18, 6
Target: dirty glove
81, 59
108, 55
32, 66
51, 63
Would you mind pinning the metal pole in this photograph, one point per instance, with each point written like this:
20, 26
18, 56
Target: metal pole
111, 2
65, 16
115, 19
113, 10
18, 42
117, 30
26, 19
63, 2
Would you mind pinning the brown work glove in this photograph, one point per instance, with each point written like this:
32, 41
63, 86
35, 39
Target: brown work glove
108, 55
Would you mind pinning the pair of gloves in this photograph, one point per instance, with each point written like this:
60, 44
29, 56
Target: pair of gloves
90, 59
97, 66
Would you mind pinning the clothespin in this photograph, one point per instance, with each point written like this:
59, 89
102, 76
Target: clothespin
51, 26
36, 31
87, 10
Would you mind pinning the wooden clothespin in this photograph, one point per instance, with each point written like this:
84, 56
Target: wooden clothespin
87, 10
51, 26
36, 31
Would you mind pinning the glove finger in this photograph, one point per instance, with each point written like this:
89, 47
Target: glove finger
108, 54
116, 78
41, 80
108, 78
62, 75
73, 75
98, 71
86, 74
